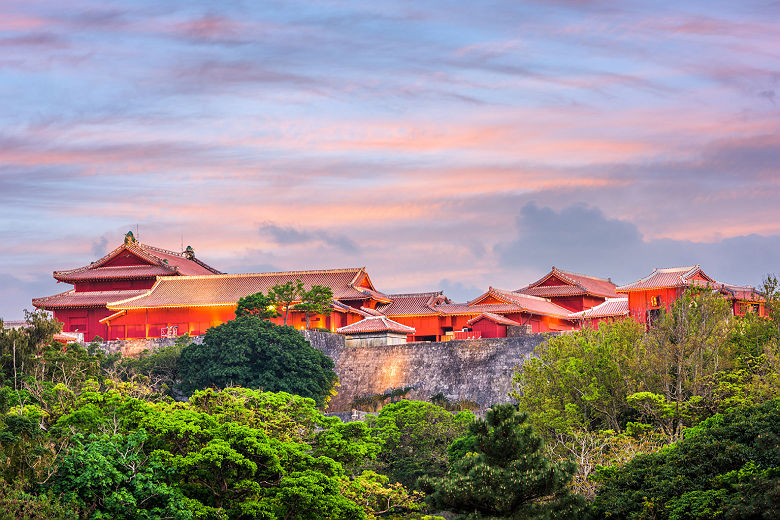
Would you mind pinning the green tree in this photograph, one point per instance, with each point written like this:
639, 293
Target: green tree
727, 467
284, 295
109, 476
415, 436
232, 455
258, 304
255, 353
685, 349
18, 504
19, 347
158, 368
317, 300
499, 471
581, 380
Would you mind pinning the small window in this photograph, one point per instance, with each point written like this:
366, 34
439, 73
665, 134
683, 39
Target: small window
653, 315
655, 301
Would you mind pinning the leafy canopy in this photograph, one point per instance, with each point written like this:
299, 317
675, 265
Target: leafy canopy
499, 470
727, 467
257, 304
415, 436
256, 353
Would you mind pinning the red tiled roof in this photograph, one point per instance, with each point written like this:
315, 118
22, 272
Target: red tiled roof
737, 292
119, 271
414, 304
371, 312
495, 318
227, 289
667, 278
575, 283
527, 303
610, 307
161, 263
376, 324
84, 298
376, 295
342, 307
465, 309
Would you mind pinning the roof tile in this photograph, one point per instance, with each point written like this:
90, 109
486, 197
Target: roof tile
227, 289
84, 298
579, 284
414, 304
667, 277
376, 324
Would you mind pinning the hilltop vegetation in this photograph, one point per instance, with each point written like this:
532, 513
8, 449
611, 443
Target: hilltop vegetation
677, 423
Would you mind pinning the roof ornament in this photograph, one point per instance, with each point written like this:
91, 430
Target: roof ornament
129, 238
189, 253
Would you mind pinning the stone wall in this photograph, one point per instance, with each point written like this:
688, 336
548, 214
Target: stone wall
323, 340
477, 370
134, 347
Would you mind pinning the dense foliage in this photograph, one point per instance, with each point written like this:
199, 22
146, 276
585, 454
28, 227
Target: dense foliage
499, 470
601, 396
415, 436
255, 353
257, 304
727, 467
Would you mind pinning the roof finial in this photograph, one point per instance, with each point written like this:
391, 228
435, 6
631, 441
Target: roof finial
129, 238
189, 253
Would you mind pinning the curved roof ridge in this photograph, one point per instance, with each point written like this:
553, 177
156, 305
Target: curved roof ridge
582, 275
245, 275
418, 294
513, 294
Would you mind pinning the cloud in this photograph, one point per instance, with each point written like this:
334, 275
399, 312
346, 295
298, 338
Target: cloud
288, 235
99, 246
459, 291
17, 294
581, 238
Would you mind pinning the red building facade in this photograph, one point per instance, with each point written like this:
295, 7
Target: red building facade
656, 293
128, 271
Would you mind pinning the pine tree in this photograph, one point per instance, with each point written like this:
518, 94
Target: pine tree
499, 471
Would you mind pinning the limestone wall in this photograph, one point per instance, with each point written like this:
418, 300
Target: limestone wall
134, 347
477, 370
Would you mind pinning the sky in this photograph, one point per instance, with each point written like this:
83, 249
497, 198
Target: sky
443, 145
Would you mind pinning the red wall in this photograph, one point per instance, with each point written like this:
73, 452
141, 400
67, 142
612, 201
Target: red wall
74, 320
489, 329
142, 323
639, 302
573, 303
114, 285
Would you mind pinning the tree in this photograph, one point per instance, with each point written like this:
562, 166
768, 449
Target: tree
19, 347
257, 304
685, 349
109, 476
284, 295
727, 467
316, 300
233, 454
499, 471
158, 369
415, 436
581, 380
256, 353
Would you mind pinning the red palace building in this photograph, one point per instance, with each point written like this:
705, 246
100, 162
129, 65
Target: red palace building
129, 270
656, 292
141, 291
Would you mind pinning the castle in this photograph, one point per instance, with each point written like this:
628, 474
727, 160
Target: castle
142, 291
